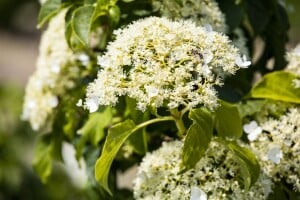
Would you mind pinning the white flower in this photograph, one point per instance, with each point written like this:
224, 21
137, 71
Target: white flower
145, 65
278, 146
91, 105
53, 101
198, 194
275, 154
55, 73
215, 176
252, 130
152, 91
296, 83
242, 62
83, 58
79, 103
293, 58
203, 12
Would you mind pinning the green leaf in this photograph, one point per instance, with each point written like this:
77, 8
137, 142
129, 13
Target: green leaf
42, 163
198, 137
249, 166
250, 107
138, 140
228, 121
277, 86
68, 26
48, 10
117, 135
47, 149
114, 14
81, 23
101, 9
94, 128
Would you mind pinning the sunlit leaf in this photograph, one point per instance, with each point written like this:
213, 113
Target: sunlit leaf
48, 10
93, 129
116, 137
81, 23
277, 86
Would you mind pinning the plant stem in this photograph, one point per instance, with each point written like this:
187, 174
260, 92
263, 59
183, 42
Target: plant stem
177, 117
152, 121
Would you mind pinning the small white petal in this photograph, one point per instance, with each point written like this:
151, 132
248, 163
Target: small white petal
198, 194
84, 59
206, 70
79, 103
253, 136
152, 91
242, 62
55, 67
208, 27
248, 128
297, 50
103, 62
208, 56
53, 101
252, 130
275, 154
92, 105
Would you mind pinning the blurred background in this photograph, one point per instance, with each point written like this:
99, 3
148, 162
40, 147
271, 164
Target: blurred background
19, 41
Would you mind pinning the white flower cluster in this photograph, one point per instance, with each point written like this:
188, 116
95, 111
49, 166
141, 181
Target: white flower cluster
159, 62
214, 176
202, 12
277, 144
293, 58
55, 70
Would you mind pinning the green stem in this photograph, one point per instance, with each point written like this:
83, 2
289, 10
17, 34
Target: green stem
152, 121
177, 117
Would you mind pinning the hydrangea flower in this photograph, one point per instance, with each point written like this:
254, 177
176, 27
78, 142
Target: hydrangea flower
293, 58
215, 176
159, 62
202, 12
56, 69
278, 147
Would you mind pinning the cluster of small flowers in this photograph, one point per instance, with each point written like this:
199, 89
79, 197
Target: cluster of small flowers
202, 12
276, 142
160, 62
56, 69
214, 176
293, 58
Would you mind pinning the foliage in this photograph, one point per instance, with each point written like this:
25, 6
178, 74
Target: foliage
117, 136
